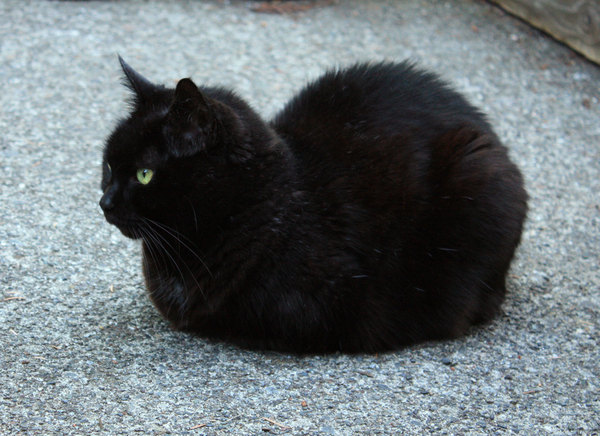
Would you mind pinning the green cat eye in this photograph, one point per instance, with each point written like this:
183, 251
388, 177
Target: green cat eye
144, 175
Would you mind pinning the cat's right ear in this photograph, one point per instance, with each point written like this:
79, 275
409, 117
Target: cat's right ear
190, 119
141, 86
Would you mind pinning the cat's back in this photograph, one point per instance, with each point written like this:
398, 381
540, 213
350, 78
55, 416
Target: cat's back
372, 134
368, 102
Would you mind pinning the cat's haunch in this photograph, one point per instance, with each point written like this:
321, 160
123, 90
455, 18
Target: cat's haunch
378, 209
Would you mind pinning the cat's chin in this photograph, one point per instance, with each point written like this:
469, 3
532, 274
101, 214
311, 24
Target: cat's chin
128, 228
130, 232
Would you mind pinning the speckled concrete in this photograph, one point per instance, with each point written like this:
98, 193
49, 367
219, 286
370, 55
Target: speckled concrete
84, 352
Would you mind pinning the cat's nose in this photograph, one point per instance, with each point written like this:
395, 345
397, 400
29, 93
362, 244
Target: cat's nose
107, 201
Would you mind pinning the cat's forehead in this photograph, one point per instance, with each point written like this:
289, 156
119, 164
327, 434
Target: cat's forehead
136, 140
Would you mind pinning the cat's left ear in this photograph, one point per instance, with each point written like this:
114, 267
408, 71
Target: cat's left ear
190, 119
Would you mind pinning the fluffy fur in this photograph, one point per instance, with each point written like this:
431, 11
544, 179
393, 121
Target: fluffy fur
378, 209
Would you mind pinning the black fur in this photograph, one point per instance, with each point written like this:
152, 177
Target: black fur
378, 209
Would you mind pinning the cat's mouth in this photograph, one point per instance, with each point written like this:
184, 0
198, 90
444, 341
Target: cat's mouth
128, 226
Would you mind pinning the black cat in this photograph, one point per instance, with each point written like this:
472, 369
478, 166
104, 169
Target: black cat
378, 209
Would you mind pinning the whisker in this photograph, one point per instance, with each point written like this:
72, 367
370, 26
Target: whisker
165, 241
194, 212
168, 229
486, 285
153, 246
158, 240
159, 245
177, 236
152, 251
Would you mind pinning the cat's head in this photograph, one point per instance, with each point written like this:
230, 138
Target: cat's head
180, 158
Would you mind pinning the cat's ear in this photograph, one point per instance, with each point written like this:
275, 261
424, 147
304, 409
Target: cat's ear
189, 104
190, 119
141, 86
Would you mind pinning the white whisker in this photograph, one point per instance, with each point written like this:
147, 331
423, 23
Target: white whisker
163, 243
159, 245
178, 237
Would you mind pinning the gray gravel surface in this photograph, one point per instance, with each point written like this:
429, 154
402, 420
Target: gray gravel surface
84, 352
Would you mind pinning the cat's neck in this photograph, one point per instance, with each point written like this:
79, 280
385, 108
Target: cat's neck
267, 188
268, 184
